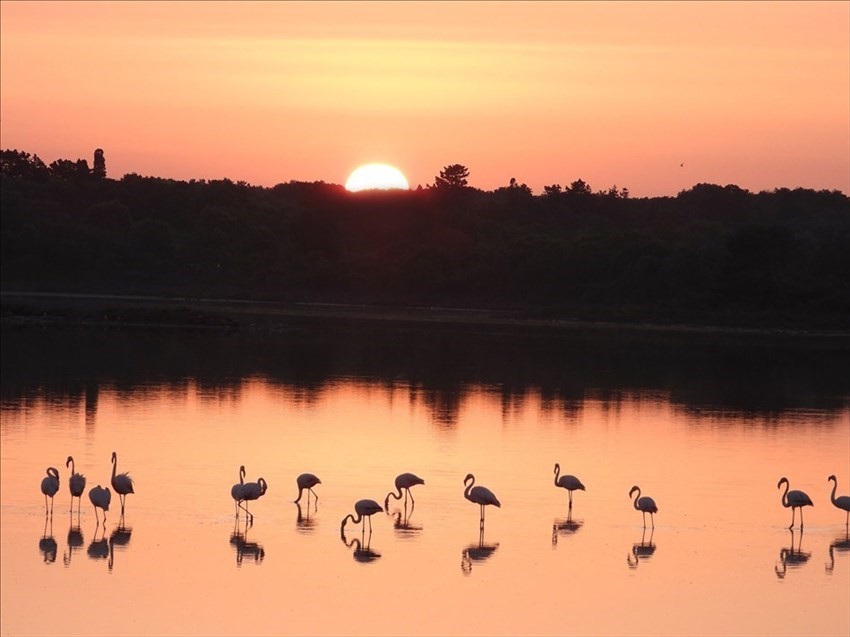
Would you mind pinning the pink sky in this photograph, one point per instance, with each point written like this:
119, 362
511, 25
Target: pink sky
754, 94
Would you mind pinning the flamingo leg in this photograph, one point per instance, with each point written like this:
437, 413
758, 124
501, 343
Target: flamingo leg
652, 519
801, 518
793, 513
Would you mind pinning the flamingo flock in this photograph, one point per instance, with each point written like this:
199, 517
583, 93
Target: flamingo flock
244, 492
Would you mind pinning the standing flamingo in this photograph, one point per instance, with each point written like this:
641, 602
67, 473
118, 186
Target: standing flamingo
364, 509
76, 483
568, 482
482, 496
49, 487
645, 505
236, 490
403, 481
307, 481
100, 498
794, 499
842, 501
252, 491
122, 482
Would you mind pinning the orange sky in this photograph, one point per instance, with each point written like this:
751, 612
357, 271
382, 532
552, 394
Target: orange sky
755, 94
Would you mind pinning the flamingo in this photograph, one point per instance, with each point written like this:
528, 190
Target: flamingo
645, 505
236, 490
49, 487
794, 499
307, 481
364, 509
842, 501
252, 491
568, 482
76, 484
403, 481
482, 496
122, 483
100, 498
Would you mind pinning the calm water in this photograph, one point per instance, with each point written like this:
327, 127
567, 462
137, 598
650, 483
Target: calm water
704, 426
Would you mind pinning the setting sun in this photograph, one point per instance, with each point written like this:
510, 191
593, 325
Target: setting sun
376, 177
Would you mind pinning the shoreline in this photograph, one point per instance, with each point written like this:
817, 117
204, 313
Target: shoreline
46, 309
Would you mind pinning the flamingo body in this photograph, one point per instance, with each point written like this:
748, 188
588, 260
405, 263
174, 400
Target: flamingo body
50, 486
100, 497
77, 481
403, 482
794, 499
252, 491
842, 501
306, 481
364, 509
645, 505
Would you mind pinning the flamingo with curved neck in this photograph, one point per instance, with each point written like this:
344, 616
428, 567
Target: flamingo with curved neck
842, 501
403, 482
568, 482
76, 484
482, 496
49, 487
364, 509
645, 505
794, 499
236, 490
121, 482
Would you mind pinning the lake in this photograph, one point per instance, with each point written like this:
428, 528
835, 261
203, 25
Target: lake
704, 424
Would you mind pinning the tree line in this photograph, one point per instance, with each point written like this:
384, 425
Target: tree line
710, 254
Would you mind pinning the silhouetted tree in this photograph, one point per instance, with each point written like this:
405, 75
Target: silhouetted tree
67, 169
579, 187
15, 163
554, 189
99, 169
454, 176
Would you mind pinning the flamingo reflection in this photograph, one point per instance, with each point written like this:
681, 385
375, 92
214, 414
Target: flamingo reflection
642, 550
305, 523
402, 524
119, 538
47, 544
791, 557
840, 544
362, 550
566, 527
244, 547
476, 553
98, 549
75, 540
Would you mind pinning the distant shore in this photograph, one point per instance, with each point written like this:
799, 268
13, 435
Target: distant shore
151, 312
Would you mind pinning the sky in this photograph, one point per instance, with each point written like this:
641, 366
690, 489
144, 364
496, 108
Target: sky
654, 97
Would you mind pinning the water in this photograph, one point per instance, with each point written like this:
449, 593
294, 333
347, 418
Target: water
704, 425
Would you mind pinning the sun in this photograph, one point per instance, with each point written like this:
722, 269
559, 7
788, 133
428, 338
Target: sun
376, 177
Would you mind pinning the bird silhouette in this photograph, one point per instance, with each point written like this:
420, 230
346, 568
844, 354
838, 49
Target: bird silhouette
794, 499
252, 491
482, 496
645, 505
307, 481
364, 509
100, 497
842, 501
49, 487
76, 484
568, 482
121, 482
236, 490
403, 482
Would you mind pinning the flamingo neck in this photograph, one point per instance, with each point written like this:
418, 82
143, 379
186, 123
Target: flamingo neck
637, 497
468, 488
557, 473
114, 465
785, 502
834, 489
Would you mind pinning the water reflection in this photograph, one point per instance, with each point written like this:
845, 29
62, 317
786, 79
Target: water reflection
99, 549
402, 525
791, 557
306, 523
119, 538
476, 553
75, 539
642, 550
47, 544
565, 526
840, 544
245, 547
363, 552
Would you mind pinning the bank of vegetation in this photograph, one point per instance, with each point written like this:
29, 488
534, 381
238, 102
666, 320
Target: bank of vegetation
711, 255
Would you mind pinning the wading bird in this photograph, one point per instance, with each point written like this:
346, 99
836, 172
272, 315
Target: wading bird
794, 499
364, 509
76, 484
403, 481
252, 491
236, 490
568, 482
49, 487
100, 498
645, 505
842, 501
482, 496
307, 481
122, 482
